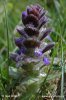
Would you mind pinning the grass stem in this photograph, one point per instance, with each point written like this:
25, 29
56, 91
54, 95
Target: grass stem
6, 24
62, 77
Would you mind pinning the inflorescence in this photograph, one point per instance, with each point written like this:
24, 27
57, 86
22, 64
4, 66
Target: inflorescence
30, 48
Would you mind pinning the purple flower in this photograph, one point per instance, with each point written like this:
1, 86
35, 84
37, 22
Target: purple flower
48, 47
22, 50
46, 33
24, 14
19, 42
46, 61
38, 52
31, 31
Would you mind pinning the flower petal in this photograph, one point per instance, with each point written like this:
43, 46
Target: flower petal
24, 14
22, 50
42, 21
38, 52
46, 32
42, 13
31, 31
48, 47
19, 42
46, 61
22, 32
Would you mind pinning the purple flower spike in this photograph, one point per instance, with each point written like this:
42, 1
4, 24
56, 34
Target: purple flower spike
30, 44
46, 61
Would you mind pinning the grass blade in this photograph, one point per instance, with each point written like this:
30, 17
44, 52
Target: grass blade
62, 77
6, 24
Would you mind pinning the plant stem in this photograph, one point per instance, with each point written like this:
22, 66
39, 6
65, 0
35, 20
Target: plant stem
62, 78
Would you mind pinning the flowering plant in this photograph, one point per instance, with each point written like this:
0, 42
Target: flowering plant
32, 52
30, 44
